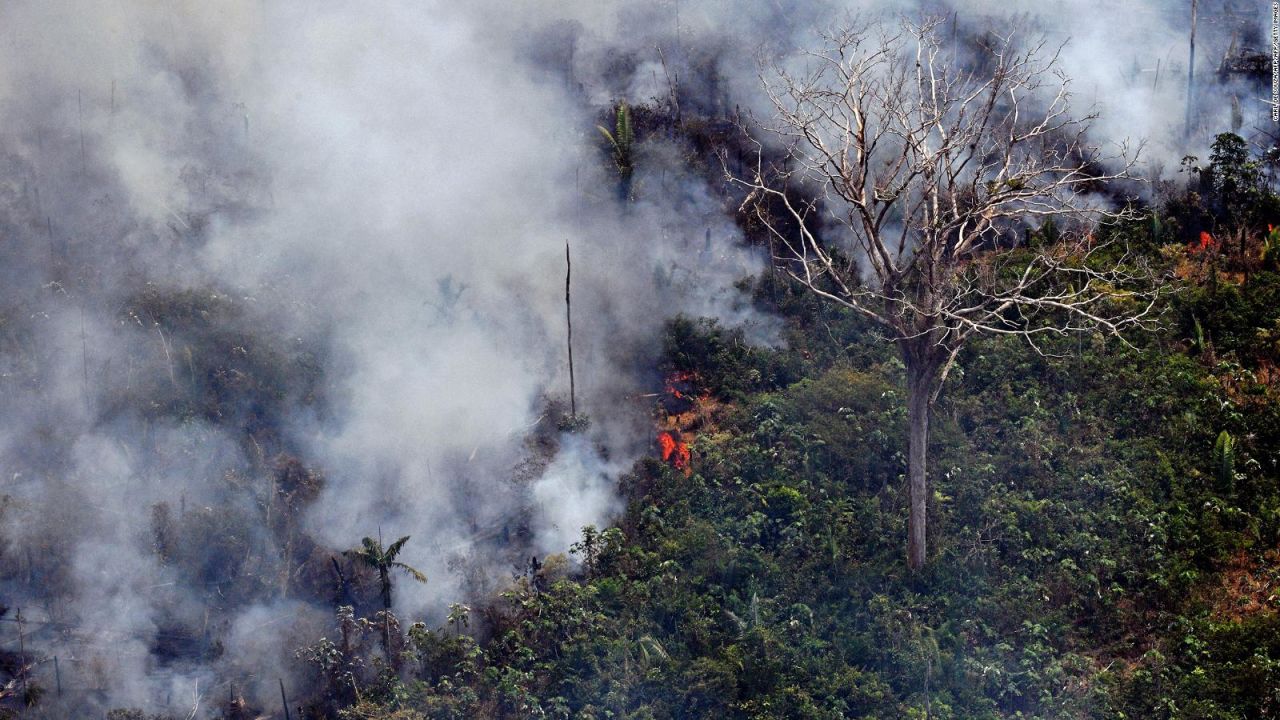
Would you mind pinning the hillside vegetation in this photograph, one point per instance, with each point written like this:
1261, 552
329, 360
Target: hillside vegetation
1105, 542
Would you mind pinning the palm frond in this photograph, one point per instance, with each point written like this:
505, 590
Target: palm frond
369, 553
1224, 457
625, 134
650, 648
413, 572
394, 550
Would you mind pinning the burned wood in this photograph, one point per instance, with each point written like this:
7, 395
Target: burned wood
1191, 71
568, 316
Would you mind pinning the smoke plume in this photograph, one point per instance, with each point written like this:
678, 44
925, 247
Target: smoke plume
280, 276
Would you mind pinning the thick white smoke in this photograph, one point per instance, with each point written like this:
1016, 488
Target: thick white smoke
389, 188
383, 191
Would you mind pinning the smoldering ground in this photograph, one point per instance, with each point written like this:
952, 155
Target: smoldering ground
277, 277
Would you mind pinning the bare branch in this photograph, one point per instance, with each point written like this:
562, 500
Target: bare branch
903, 188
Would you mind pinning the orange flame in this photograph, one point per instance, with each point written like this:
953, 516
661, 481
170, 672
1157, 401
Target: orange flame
1206, 241
674, 380
668, 445
674, 451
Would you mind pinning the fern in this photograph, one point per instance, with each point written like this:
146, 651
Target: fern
624, 134
621, 139
1224, 458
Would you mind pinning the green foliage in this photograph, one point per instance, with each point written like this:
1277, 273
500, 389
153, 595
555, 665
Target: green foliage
1271, 250
622, 138
622, 143
1233, 179
1089, 545
1224, 458
725, 363
1233, 315
1198, 342
1229, 197
372, 554
1075, 524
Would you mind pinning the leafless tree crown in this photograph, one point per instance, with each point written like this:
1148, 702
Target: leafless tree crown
904, 178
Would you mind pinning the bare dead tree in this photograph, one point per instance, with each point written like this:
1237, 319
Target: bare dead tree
905, 187
1191, 73
568, 319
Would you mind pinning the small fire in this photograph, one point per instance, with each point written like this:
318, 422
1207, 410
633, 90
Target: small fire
674, 451
676, 380
1206, 241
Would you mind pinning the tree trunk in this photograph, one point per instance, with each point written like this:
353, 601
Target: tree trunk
385, 576
624, 185
919, 390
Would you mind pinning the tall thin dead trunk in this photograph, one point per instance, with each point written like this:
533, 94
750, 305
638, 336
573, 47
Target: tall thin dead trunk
385, 576
1191, 73
919, 389
568, 318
